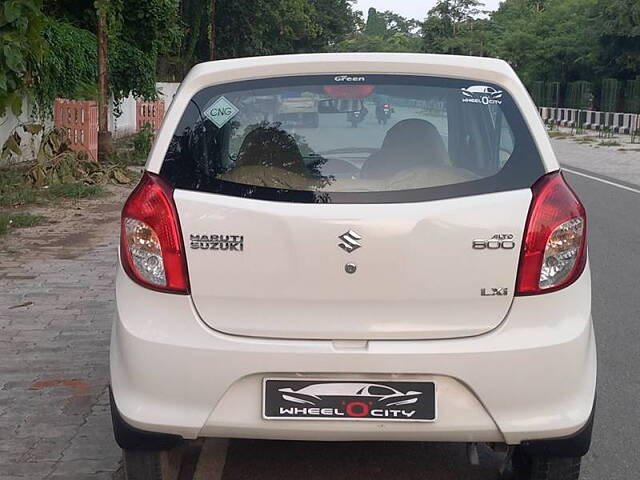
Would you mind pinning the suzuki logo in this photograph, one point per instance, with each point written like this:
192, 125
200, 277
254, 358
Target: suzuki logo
349, 241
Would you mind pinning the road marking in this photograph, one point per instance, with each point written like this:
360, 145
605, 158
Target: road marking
601, 180
212, 459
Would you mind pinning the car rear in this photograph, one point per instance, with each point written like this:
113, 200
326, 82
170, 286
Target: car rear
441, 257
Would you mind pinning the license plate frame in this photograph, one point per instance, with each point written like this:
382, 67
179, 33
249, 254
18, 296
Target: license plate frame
347, 406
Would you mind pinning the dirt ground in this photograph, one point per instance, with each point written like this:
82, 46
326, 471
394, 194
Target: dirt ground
70, 228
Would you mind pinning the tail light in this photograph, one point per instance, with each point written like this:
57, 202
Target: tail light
554, 249
151, 247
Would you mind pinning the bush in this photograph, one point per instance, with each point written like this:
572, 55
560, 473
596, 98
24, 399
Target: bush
142, 142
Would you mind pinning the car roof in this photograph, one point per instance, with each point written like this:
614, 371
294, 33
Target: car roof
477, 68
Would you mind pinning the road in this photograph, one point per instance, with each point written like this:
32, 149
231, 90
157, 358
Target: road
56, 304
614, 250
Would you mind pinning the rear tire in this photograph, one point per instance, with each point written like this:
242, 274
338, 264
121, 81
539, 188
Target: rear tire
142, 465
152, 465
527, 467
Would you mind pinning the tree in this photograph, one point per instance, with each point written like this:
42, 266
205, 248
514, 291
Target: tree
21, 25
336, 21
258, 27
104, 136
212, 30
383, 32
451, 27
138, 33
398, 24
556, 43
618, 22
376, 24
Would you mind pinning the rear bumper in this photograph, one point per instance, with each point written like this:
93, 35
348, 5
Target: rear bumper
531, 378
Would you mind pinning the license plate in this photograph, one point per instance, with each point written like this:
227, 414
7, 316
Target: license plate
348, 400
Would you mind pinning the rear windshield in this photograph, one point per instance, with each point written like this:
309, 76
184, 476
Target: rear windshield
352, 139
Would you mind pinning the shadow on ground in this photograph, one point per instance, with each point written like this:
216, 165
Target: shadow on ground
271, 460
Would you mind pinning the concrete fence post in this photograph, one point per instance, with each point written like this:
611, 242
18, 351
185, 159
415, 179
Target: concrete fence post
80, 120
149, 112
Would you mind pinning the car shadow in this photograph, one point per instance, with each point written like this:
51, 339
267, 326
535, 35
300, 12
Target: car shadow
271, 460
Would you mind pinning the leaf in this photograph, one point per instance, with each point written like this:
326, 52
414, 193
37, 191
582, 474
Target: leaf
16, 104
30, 5
5, 153
33, 128
22, 25
47, 151
14, 58
11, 11
13, 143
16, 142
38, 176
120, 177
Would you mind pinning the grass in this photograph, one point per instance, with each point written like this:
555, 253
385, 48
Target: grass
609, 143
134, 149
18, 220
75, 191
559, 135
587, 139
15, 190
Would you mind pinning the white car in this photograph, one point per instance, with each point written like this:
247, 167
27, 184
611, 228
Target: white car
442, 256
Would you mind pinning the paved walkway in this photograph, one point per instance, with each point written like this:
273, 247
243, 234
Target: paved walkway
55, 323
56, 308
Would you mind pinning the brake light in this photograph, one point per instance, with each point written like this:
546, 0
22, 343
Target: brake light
554, 248
151, 247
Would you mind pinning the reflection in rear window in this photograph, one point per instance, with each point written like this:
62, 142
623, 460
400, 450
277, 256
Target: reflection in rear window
352, 139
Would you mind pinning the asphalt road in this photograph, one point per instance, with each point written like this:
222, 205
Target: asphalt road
614, 249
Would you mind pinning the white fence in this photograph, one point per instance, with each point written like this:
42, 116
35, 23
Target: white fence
9, 122
122, 121
591, 120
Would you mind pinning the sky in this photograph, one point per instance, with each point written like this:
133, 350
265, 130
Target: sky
409, 8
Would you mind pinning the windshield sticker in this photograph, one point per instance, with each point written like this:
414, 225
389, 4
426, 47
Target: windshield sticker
221, 112
482, 94
349, 79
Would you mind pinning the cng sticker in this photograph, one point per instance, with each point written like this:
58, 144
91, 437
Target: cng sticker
221, 112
